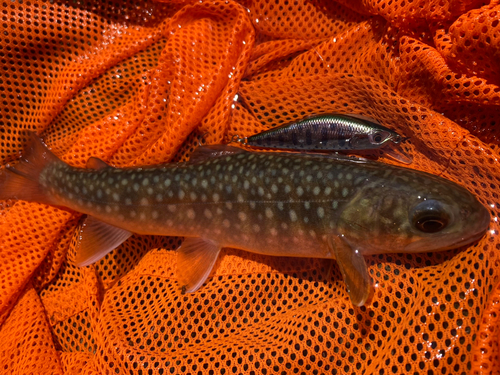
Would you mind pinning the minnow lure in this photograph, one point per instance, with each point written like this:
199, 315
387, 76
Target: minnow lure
282, 204
335, 132
328, 132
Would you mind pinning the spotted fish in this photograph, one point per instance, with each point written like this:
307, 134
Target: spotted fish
281, 204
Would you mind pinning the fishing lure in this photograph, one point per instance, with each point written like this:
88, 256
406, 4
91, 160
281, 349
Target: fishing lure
328, 132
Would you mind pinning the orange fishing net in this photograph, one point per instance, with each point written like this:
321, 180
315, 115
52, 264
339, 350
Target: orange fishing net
143, 82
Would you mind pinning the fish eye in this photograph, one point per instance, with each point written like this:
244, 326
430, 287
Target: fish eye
430, 217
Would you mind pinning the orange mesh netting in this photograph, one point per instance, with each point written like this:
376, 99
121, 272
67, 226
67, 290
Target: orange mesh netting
143, 82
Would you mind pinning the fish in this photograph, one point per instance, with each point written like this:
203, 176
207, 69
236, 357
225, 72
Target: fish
277, 204
329, 132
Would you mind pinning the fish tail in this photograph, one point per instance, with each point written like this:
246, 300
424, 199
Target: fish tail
22, 180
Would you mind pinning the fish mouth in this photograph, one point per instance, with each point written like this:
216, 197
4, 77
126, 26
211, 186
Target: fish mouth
443, 243
446, 242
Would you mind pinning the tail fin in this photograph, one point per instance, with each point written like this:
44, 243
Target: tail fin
21, 180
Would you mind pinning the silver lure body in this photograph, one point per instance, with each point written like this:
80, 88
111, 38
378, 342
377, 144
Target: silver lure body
333, 132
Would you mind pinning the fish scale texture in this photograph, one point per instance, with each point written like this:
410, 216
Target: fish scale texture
145, 82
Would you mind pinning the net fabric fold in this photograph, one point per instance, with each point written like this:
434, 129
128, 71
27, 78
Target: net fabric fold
142, 83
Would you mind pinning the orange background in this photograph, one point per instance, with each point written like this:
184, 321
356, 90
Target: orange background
139, 83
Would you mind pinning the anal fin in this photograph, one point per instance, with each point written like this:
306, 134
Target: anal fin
96, 240
195, 259
354, 271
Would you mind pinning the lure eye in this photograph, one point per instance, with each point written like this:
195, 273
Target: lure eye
430, 217
378, 138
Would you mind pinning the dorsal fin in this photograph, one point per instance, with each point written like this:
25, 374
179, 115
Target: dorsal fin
96, 163
213, 151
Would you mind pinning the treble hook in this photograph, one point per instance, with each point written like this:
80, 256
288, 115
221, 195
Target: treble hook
237, 138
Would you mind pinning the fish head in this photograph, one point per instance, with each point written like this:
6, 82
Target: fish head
374, 139
424, 213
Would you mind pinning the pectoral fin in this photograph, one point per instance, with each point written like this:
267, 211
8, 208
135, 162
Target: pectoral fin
96, 240
354, 270
195, 259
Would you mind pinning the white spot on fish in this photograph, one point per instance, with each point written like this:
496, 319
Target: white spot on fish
288, 189
215, 197
99, 194
281, 206
256, 228
107, 209
348, 176
269, 213
321, 212
116, 197
260, 191
273, 231
167, 182
136, 187
240, 198
190, 214
172, 207
156, 179
142, 216
284, 225
149, 191
193, 196
144, 202
154, 214
132, 213
124, 182
307, 205
274, 188
226, 223
159, 197
204, 184
300, 191
246, 185
242, 216
328, 190
316, 190
208, 213
335, 204
345, 191
229, 205
181, 194
293, 215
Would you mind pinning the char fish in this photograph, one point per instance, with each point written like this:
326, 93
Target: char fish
281, 204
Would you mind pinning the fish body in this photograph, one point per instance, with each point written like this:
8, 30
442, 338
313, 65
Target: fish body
277, 204
333, 132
